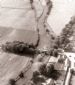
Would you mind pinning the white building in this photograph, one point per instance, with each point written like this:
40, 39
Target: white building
71, 57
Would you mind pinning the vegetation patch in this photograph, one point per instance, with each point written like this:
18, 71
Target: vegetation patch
64, 41
49, 71
19, 48
44, 73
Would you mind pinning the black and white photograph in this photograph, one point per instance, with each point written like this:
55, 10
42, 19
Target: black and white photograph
37, 42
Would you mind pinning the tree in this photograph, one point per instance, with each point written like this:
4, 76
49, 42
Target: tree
42, 69
19, 48
35, 77
58, 42
49, 69
55, 53
55, 74
66, 33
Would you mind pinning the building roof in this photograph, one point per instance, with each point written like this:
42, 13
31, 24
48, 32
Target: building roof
59, 66
53, 59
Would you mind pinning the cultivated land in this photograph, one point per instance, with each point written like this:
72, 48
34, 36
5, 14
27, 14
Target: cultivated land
21, 20
10, 66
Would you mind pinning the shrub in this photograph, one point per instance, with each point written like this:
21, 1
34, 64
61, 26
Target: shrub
72, 71
12, 82
21, 75
61, 60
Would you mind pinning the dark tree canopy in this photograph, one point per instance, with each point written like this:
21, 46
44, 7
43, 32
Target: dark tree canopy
19, 48
67, 32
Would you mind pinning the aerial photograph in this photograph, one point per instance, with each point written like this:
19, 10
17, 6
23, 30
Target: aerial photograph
37, 42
